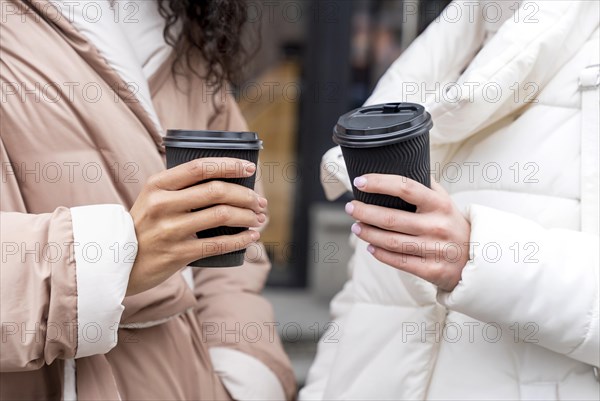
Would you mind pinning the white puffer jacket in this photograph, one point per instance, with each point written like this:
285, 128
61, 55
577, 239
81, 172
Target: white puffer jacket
507, 101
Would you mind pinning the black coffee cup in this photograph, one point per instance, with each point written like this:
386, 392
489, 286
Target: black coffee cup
185, 145
390, 138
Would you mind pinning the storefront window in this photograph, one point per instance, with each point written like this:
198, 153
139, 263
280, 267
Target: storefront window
293, 101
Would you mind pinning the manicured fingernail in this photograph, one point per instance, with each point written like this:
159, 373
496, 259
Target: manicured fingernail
356, 228
261, 218
250, 168
371, 249
255, 235
349, 208
262, 202
360, 182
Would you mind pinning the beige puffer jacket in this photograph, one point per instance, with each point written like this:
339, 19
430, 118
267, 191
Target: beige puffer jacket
78, 142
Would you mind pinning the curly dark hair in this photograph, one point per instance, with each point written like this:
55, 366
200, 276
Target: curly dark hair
211, 30
207, 35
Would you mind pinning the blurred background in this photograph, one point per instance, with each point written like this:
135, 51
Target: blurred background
318, 59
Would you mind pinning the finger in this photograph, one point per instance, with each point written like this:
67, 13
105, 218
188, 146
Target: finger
443, 202
218, 192
204, 248
408, 190
435, 186
198, 170
386, 218
219, 216
415, 265
391, 241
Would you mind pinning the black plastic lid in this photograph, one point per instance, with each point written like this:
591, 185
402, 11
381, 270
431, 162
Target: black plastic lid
212, 139
382, 124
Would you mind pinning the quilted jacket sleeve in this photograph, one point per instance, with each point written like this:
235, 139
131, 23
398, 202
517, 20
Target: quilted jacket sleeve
61, 284
544, 281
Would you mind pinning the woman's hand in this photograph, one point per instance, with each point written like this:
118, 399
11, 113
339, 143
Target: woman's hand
166, 226
432, 243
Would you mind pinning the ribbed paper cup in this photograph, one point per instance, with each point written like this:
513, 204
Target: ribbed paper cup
183, 146
388, 138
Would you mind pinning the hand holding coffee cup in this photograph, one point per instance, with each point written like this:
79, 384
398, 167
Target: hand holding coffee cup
431, 243
166, 227
409, 222
185, 145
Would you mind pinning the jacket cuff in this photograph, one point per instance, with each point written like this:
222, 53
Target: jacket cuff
245, 377
334, 175
105, 247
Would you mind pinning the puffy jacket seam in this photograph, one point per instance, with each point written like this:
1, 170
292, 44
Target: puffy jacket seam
394, 305
518, 191
433, 359
74, 266
72, 256
559, 106
588, 326
514, 190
